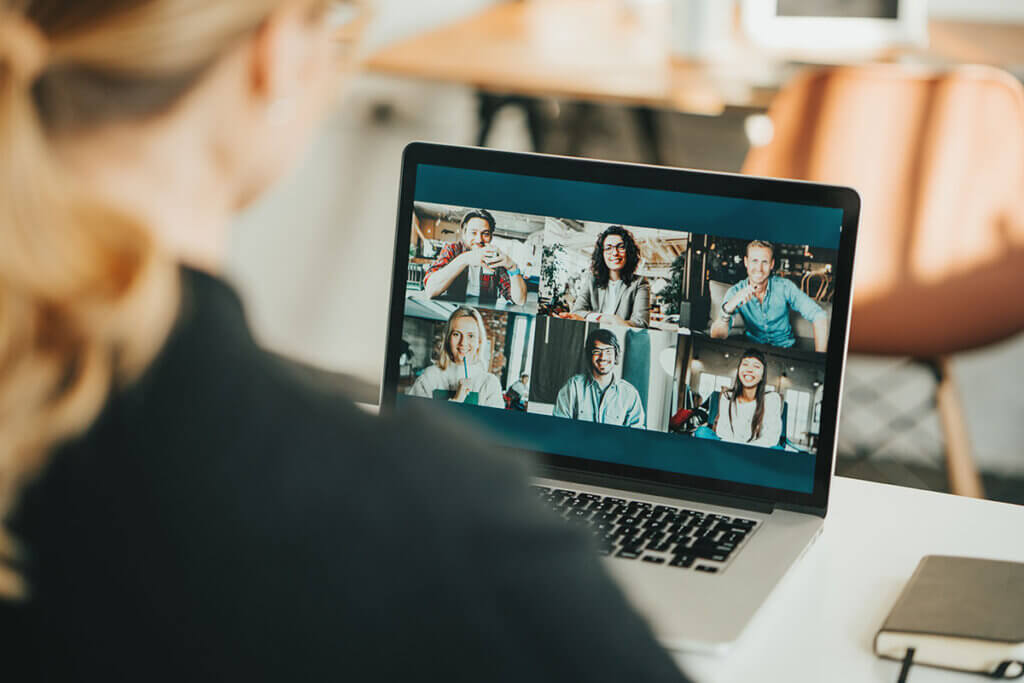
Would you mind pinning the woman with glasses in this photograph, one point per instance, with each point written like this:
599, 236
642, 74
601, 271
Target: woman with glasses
177, 503
612, 293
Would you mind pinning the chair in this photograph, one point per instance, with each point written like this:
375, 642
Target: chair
938, 159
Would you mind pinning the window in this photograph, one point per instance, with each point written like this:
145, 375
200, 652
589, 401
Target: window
799, 415
710, 382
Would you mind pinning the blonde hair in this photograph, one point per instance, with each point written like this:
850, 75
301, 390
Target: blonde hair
444, 357
86, 297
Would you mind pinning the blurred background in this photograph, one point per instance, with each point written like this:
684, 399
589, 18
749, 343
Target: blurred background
882, 102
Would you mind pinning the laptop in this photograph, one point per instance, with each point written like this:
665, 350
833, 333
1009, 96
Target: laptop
668, 344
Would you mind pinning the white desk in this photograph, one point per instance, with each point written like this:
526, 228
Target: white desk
819, 624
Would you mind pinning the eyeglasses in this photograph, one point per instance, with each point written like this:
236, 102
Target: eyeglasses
620, 248
608, 351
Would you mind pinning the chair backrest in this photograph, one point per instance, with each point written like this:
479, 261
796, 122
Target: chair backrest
938, 159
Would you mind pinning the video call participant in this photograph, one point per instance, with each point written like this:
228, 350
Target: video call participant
596, 395
764, 300
519, 392
460, 374
473, 265
746, 412
612, 292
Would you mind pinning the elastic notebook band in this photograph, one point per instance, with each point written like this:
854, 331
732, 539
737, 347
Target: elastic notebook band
905, 669
1004, 667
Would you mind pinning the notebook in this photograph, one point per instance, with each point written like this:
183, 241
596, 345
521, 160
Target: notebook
959, 613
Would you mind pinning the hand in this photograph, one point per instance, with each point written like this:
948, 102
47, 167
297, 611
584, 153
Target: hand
462, 392
611, 319
741, 297
495, 258
570, 316
473, 257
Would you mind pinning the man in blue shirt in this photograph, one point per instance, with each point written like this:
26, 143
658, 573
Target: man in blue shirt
764, 301
597, 396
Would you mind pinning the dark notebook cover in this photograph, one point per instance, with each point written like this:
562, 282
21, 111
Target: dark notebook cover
962, 597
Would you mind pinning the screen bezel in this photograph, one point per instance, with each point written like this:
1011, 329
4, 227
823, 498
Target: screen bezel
653, 177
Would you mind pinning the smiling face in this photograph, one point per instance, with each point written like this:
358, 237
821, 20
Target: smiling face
477, 233
751, 372
759, 262
602, 358
464, 339
614, 249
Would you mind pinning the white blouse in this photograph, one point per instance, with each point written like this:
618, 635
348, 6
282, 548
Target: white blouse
611, 302
484, 383
736, 428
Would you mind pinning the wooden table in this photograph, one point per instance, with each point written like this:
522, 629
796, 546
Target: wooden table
592, 50
616, 52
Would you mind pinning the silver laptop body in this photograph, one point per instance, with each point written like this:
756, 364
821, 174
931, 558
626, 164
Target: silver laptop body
697, 452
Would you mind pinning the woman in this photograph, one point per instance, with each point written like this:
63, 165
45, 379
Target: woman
613, 293
179, 504
460, 373
747, 413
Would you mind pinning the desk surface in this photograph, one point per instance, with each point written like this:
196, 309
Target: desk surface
596, 50
819, 623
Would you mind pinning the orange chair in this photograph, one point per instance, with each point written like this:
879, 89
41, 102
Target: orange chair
939, 161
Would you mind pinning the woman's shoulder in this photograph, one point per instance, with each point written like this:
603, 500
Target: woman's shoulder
431, 373
490, 380
640, 282
773, 398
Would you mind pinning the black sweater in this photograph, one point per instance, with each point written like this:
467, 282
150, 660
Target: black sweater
227, 519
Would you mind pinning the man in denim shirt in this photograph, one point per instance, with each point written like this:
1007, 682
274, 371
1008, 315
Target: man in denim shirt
764, 301
597, 396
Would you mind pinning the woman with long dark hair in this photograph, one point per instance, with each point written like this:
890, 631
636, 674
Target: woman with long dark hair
747, 413
613, 293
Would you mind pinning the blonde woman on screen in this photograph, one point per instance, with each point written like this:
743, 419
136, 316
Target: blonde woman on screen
461, 373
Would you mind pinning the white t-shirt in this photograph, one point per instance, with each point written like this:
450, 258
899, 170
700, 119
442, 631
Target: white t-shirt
473, 285
611, 300
484, 383
737, 427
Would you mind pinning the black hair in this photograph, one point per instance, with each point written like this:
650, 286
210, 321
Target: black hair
483, 214
600, 269
757, 421
605, 337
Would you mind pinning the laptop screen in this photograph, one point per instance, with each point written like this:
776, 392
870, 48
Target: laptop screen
671, 331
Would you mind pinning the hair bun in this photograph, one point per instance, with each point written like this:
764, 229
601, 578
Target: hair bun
24, 50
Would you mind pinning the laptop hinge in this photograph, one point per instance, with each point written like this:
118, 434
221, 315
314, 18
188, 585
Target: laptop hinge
654, 488
806, 509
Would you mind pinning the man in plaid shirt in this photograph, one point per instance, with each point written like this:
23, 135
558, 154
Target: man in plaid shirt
475, 266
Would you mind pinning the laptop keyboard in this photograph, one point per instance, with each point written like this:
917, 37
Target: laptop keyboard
659, 534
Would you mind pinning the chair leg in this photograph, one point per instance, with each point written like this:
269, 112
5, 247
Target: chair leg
964, 479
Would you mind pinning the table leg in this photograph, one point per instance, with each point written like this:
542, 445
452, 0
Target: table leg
648, 124
534, 122
582, 113
488, 106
